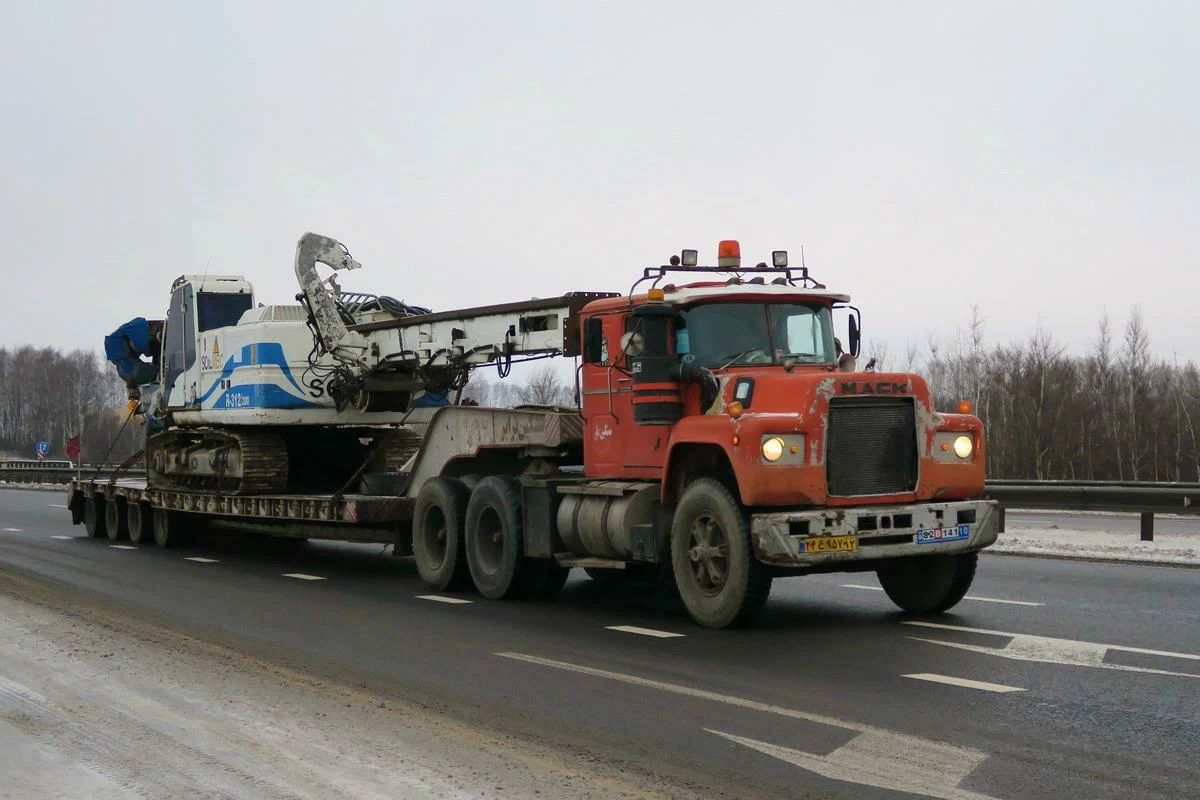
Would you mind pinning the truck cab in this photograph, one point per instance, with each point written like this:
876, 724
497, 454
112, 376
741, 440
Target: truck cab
736, 397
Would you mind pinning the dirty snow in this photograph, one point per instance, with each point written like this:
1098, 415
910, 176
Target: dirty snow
1040, 540
94, 709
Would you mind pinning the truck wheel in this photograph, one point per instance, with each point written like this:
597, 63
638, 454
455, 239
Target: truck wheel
135, 520
439, 546
720, 582
93, 516
168, 527
929, 584
115, 520
495, 544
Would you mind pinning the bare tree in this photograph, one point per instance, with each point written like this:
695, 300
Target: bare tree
545, 388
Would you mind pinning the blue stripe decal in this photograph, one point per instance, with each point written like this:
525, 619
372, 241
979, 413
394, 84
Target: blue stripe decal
261, 395
266, 354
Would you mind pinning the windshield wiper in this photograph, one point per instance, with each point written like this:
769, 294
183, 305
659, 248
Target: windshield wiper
740, 355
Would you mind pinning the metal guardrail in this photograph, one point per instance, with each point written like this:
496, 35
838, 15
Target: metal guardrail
1137, 497
32, 474
1145, 498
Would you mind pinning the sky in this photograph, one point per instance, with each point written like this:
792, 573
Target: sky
1038, 160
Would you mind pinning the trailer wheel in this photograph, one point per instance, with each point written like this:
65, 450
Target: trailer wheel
168, 527
93, 516
495, 541
929, 584
135, 520
115, 520
720, 581
439, 542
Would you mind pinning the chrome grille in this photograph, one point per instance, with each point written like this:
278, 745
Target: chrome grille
872, 446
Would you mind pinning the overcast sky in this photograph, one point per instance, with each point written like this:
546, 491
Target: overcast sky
1038, 159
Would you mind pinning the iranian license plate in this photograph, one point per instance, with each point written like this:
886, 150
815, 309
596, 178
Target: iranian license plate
829, 544
934, 535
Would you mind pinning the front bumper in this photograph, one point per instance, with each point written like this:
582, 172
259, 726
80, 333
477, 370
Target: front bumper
878, 532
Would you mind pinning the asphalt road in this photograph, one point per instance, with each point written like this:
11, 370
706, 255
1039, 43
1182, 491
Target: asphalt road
1053, 679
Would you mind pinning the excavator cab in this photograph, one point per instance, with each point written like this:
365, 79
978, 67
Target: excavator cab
199, 304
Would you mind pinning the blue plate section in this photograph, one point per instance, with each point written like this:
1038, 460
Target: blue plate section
268, 354
261, 395
936, 535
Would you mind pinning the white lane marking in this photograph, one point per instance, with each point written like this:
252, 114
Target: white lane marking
439, 598
54, 505
885, 760
62, 537
876, 757
968, 597
644, 631
202, 559
950, 680
12, 530
122, 547
302, 576
1049, 650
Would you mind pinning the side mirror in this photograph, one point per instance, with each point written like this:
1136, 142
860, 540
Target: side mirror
855, 336
593, 341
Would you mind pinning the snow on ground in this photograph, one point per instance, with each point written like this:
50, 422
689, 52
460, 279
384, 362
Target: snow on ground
1167, 547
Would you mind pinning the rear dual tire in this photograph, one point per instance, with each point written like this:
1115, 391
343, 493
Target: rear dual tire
929, 584
495, 545
439, 542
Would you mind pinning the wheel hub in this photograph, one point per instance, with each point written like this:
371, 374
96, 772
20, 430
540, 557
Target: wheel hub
709, 554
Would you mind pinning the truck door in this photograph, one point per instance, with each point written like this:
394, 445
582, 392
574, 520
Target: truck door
179, 349
614, 445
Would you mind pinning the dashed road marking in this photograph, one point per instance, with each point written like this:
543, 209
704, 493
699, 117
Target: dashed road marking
55, 505
302, 576
202, 559
950, 680
62, 537
644, 631
440, 598
876, 757
12, 530
122, 547
1049, 650
968, 597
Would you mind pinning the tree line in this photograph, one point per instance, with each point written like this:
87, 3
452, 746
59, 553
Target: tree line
1114, 413
48, 395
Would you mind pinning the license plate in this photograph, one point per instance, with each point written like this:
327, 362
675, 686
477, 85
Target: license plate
829, 544
935, 535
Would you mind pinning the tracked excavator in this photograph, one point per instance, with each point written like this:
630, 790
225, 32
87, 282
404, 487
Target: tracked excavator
244, 398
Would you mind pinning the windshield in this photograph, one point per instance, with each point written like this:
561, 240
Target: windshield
221, 310
738, 334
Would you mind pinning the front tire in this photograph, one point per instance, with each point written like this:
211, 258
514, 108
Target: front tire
720, 582
929, 584
439, 536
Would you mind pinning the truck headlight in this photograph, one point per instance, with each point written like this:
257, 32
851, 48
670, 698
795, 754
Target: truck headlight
963, 447
772, 449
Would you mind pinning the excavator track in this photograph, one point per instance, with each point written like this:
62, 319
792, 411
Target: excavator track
228, 461
396, 447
